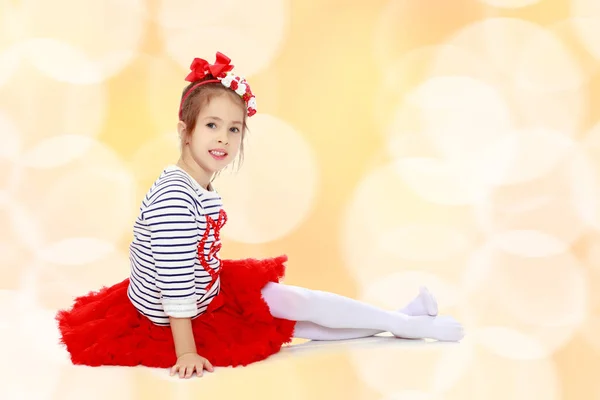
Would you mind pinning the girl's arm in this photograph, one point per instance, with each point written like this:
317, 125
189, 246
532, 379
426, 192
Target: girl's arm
182, 336
188, 361
172, 222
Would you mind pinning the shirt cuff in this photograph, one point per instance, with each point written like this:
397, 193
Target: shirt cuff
180, 308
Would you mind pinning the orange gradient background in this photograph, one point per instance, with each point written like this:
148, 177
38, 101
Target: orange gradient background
397, 143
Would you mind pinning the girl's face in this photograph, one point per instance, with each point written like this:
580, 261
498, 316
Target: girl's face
217, 137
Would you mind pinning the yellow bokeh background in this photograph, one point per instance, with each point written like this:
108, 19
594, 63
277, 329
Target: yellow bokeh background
397, 143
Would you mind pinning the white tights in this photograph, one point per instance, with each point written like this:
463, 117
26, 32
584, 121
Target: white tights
328, 316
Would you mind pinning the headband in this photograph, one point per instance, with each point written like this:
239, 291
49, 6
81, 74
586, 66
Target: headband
221, 71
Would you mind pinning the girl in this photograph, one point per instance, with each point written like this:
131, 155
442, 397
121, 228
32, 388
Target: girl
182, 306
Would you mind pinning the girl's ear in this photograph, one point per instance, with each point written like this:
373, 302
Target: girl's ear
182, 131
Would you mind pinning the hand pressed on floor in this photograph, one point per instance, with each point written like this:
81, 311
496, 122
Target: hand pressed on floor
189, 363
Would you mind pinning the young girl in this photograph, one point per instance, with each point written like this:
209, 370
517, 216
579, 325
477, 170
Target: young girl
185, 308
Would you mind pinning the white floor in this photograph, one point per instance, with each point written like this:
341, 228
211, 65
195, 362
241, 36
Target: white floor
482, 367
371, 368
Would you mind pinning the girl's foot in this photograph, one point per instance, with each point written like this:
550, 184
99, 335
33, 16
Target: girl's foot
423, 304
442, 328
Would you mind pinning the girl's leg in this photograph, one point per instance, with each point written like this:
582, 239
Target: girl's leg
312, 331
335, 311
423, 304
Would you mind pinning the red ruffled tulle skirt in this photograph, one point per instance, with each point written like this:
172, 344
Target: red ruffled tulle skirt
104, 328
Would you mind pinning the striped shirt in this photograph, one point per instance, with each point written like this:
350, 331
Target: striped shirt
169, 276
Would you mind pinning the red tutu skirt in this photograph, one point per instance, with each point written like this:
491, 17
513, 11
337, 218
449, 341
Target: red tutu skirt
104, 328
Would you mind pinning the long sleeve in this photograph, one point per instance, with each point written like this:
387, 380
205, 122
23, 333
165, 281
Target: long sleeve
174, 236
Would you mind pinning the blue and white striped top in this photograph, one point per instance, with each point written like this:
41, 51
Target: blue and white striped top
167, 277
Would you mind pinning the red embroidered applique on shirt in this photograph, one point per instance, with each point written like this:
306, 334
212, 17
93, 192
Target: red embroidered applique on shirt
215, 247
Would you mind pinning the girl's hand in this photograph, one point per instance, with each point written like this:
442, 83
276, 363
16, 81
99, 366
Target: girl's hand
190, 362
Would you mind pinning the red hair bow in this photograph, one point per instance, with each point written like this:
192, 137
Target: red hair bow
200, 68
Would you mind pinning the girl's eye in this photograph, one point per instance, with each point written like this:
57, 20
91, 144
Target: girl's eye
235, 130
211, 125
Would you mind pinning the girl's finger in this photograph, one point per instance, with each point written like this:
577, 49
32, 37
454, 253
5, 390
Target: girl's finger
208, 366
182, 371
174, 369
189, 371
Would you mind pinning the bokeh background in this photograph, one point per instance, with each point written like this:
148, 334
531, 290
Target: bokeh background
398, 143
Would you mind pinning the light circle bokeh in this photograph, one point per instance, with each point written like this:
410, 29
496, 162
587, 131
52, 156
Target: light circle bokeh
81, 49
251, 34
274, 189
